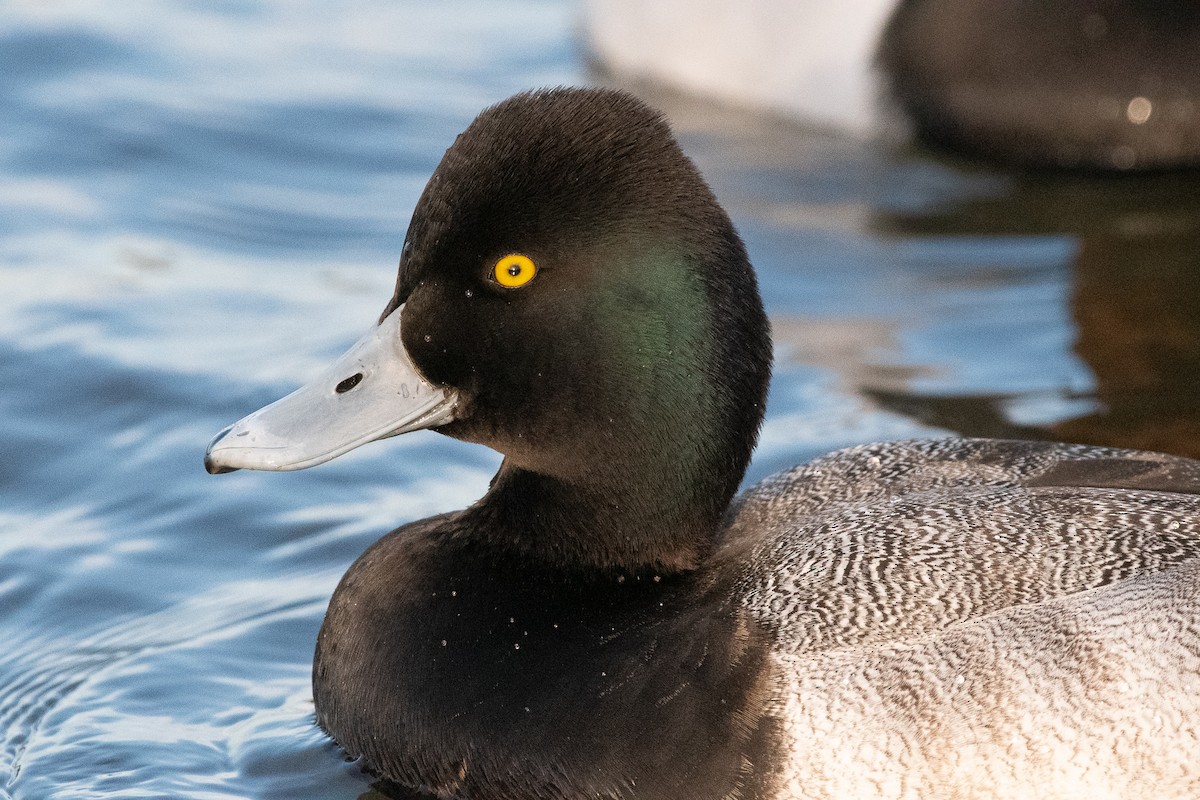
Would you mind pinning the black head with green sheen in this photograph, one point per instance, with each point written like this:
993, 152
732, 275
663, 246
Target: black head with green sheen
573, 287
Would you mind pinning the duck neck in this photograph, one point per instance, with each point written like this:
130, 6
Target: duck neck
651, 520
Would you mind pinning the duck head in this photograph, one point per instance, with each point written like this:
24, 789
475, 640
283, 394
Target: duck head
570, 294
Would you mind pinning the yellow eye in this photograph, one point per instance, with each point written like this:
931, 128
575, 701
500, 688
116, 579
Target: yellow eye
515, 270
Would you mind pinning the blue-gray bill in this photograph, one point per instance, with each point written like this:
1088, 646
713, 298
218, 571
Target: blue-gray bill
371, 392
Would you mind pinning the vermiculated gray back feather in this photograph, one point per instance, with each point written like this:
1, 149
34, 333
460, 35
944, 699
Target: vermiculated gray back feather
972, 618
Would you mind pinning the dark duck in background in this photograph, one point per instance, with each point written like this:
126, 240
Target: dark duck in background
1096, 85
957, 618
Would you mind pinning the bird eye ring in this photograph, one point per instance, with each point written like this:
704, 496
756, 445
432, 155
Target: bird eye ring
514, 270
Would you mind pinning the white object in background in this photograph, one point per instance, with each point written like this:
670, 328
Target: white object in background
810, 59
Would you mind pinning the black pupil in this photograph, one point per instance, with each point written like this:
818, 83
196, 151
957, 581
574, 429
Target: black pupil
349, 383
514, 269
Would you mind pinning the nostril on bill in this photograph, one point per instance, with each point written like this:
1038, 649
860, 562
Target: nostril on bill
349, 383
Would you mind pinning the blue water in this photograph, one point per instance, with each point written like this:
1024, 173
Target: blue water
202, 203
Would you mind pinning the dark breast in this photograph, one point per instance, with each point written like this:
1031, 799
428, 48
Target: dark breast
457, 672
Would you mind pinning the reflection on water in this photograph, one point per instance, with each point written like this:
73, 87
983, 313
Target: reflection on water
203, 204
1134, 303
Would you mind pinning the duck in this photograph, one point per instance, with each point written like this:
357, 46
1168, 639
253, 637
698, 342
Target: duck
1103, 86
1092, 86
945, 618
